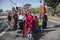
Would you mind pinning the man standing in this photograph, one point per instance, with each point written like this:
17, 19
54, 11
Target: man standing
15, 17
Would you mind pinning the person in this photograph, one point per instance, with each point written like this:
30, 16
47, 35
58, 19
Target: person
15, 17
40, 21
45, 19
38, 14
9, 17
21, 20
9, 21
29, 19
25, 25
28, 23
35, 24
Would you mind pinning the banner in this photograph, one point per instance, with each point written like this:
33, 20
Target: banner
43, 11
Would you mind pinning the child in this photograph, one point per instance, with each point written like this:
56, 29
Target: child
40, 21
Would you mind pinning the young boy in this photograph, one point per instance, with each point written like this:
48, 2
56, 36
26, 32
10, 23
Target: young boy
40, 21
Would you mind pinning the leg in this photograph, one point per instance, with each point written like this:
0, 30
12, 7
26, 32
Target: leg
41, 28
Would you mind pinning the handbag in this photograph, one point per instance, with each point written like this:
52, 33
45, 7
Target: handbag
29, 35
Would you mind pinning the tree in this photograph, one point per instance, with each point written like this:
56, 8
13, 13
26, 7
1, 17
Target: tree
52, 3
57, 9
35, 10
1, 10
27, 6
13, 8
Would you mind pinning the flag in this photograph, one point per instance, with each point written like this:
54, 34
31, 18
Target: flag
43, 11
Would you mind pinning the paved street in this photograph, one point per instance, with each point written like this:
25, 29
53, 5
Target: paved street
29, 19
2, 23
51, 33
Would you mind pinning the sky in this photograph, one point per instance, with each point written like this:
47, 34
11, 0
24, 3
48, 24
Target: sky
7, 5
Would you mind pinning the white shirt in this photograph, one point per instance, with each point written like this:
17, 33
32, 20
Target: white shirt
21, 17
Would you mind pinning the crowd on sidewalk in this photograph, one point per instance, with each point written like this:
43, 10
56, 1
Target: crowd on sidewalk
27, 22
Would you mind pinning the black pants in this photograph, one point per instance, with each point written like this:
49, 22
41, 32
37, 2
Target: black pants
21, 24
44, 25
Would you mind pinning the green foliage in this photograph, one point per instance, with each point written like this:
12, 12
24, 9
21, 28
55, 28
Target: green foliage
35, 10
57, 9
52, 3
1, 10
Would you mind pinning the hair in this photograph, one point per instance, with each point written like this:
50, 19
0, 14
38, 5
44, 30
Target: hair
35, 16
37, 11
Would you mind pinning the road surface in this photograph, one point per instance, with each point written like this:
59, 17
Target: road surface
51, 33
2, 23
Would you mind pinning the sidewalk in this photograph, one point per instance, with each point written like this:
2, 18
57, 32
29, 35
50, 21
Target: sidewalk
54, 18
3, 16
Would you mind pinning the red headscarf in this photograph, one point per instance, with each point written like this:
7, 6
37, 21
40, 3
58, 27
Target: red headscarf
28, 12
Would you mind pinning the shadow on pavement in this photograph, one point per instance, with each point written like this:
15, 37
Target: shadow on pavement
48, 30
39, 35
55, 26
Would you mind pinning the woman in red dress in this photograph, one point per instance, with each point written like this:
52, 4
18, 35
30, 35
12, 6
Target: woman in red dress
28, 23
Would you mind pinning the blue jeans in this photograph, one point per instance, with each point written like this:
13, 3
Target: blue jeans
40, 28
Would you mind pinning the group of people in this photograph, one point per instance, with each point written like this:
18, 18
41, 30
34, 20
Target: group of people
28, 22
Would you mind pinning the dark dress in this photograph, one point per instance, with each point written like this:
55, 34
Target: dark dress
45, 19
15, 17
